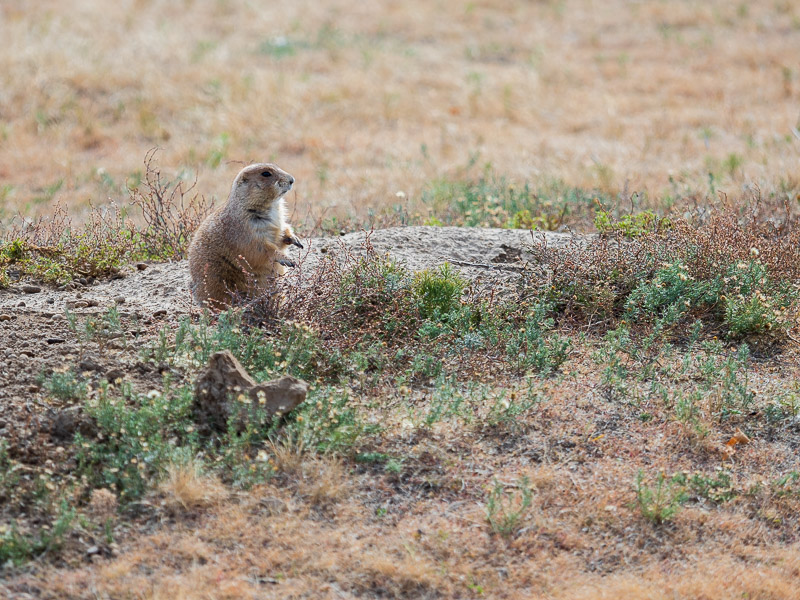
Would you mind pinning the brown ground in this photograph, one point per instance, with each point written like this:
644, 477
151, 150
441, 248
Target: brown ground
360, 102
328, 528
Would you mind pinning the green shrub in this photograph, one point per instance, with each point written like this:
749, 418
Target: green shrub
532, 346
140, 434
16, 548
65, 386
437, 292
754, 304
629, 225
327, 422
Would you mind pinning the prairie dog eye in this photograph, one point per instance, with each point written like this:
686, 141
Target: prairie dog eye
266, 173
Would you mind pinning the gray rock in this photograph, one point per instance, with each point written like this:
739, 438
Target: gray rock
225, 389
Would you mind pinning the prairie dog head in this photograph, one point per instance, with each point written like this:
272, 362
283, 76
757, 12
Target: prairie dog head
259, 189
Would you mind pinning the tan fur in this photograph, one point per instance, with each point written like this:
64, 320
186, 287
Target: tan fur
241, 246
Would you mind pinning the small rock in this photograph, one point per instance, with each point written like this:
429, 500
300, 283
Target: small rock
92, 303
65, 423
160, 312
55, 340
78, 304
273, 506
33, 388
21, 304
51, 300
83, 281
5, 317
89, 363
141, 266
114, 374
31, 289
119, 300
92, 550
28, 353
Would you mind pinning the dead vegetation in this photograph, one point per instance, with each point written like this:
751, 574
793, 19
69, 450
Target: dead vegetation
625, 98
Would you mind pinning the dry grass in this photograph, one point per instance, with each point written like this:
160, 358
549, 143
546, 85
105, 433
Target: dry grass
185, 488
360, 102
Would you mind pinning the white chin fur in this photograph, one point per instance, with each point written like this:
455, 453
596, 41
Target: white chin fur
277, 211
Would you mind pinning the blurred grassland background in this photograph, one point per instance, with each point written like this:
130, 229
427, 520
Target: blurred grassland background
377, 107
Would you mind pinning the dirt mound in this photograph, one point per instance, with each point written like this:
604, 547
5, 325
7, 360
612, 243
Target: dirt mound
488, 255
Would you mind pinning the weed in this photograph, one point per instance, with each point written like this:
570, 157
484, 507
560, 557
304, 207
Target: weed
327, 422
171, 212
446, 402
629, 225
65, 385
9, 472
16, 548
532, 347
717, 488
54, 250
659, 502
787, 485
507, 506
510, 405
140, 436
438, 291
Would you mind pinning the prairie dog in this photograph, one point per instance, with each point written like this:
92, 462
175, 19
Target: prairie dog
242, 245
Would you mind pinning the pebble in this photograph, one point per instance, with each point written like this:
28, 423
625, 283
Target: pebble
31, 289
55, 340
141, 266
92, 303
78, 304
119, 300
21, 304
89, 364
115, 374
160, 312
